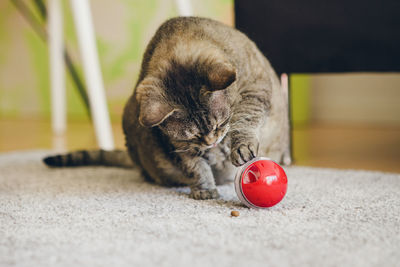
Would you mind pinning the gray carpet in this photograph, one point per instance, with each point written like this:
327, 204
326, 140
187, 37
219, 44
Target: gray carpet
111, 217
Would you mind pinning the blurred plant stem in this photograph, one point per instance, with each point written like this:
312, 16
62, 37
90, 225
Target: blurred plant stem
41, 31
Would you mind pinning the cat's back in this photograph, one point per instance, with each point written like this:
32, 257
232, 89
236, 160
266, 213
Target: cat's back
183, 38
194, 28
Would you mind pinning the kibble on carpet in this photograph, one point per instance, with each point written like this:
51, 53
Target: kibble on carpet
98, 216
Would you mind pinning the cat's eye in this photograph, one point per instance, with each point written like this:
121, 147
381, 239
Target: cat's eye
198, 136
195, 137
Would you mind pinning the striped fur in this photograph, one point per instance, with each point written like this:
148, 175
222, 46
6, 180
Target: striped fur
206, 102
117, 158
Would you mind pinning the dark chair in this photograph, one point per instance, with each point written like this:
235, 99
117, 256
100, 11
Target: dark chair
324, 36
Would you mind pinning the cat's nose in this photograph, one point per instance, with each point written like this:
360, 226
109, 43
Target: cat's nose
210, 139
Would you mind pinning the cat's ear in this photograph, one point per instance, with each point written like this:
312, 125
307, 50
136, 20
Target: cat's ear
154, 109
220, 76
154, 112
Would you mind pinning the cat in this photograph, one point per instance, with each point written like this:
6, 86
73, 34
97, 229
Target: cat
206, 102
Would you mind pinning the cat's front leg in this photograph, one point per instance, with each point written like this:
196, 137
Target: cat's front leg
249, 114
202, 184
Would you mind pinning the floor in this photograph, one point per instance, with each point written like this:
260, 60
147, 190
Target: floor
344, 146
112, 217
320, 145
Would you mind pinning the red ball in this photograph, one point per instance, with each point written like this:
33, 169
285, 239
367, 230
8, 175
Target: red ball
261, 183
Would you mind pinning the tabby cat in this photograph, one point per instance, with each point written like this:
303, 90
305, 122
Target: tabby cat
206, 102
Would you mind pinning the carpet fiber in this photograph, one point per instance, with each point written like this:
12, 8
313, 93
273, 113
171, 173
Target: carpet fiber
111, 217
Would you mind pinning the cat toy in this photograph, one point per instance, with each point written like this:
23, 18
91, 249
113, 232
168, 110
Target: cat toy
260, 183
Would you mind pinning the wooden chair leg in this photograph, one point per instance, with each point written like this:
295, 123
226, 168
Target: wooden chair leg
88, 50
57, 71
288, 159
184, 7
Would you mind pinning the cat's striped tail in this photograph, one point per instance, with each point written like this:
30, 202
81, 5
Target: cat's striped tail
112, 158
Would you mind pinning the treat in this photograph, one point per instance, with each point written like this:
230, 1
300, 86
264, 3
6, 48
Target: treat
235, 213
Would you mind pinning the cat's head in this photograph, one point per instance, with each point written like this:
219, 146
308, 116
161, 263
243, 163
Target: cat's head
189, 103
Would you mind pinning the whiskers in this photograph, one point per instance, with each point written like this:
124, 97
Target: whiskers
180, 150
197, 151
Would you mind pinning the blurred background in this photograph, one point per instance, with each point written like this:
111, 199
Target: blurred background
339, 120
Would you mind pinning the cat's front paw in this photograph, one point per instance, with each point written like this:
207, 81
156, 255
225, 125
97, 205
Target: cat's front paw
243, 153
204, 193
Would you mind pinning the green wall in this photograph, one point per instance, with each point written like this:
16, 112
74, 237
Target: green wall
300, 98
123, 28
